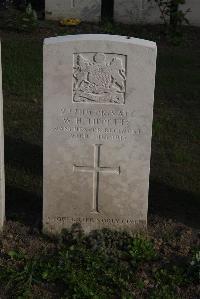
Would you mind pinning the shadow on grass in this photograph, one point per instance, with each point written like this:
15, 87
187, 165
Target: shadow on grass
21, 154
24, 160
23, 206
171, 203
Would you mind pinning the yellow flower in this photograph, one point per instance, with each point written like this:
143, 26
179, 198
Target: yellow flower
70, 22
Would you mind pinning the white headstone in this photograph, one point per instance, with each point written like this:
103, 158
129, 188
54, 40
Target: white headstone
86, 10
136, 11
2, 179
193, 15
98, 110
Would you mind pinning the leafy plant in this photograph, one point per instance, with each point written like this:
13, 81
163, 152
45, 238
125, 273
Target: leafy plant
109, 27
164, 292
167, 281
141, 249
19, 20
173, 276
19, 278
194, 269
171, 14
27, 20
4, 4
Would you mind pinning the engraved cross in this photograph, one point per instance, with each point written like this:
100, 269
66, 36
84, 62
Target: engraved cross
96, 170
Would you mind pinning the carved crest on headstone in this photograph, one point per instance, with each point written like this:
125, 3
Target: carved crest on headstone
99, 78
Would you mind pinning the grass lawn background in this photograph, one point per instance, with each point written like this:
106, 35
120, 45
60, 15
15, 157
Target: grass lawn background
174, 194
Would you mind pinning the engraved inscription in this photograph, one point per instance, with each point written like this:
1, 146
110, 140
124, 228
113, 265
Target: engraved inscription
111, 221
99, 125
96, 169
99, 78
73, 3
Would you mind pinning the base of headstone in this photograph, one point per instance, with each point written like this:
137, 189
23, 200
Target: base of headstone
55, 226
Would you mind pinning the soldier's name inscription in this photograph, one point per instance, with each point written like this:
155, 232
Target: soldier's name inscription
99, 78
116, 125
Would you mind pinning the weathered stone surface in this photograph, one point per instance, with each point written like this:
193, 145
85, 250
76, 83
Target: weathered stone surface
2, 179
147, 12
86, 10
137, 11
193, 6
125, 11
98, 110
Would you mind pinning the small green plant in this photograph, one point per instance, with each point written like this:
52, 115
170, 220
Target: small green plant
109, 27
19, 278
195, 266
170, 12
163, 292
141, 249
19, 20
173, 277
173, 17
167, 281
27, 20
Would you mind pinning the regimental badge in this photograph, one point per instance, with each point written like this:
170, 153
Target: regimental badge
99, 78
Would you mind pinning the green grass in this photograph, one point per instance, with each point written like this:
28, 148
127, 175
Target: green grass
23, 68
176, 121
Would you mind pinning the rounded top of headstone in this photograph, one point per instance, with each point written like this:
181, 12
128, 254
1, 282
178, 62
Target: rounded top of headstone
100, 37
